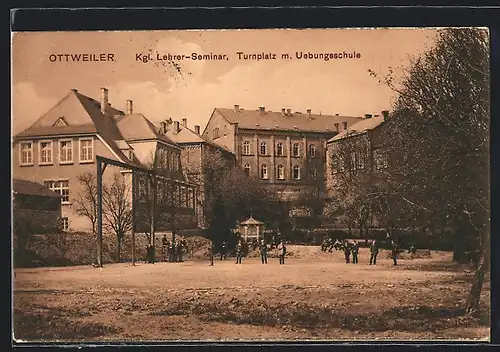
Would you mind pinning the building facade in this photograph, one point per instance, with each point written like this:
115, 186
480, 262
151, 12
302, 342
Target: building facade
355, 159
196, 153
284, 150
63, 144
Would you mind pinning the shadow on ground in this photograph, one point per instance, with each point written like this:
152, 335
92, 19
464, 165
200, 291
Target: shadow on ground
421, 318
56, 327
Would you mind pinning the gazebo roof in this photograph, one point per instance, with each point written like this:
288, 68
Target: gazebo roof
251, 221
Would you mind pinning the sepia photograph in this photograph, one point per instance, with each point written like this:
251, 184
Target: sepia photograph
251, 185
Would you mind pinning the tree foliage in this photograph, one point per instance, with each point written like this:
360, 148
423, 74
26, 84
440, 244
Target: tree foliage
438, 138
439, 132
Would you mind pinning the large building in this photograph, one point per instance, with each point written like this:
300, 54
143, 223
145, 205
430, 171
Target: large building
197, 152
284, 150
358, 149
63, 144
355, 158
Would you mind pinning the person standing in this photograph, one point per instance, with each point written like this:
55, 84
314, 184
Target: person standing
347, 252
239, 252
282, 252
263, 251
223, 250
394, 252
355, 250
373, 252
179, 251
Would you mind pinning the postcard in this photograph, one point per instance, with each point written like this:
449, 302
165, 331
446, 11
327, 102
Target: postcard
251, 185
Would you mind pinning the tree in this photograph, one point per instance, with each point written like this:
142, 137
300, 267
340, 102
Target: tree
85, 205
117, 210
439, 139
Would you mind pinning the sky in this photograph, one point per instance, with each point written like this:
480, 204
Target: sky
192, 89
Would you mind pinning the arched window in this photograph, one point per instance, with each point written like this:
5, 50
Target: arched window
247, 169
279, 149
280, 170
312, 150
295, 149
246, 148
263, 148
313, 172
263, 172
296, 172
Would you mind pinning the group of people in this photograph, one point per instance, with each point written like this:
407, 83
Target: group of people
172, 251
263, 247
352, 249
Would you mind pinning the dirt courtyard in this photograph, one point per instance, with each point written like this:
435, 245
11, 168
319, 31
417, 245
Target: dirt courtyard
312, 297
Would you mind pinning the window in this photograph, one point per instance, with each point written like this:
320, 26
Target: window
65, 152
263, 172
381, 161
45, 153
26, 149
312, 150
190, 198
225, 130
247, 169
280, 170
353, 161
216, 133
341, 164
361, 161
263, 148
279, 149
246, 148
61, 187
65, 223
295, 149
296, 172
335, 164
313, 172
86, 150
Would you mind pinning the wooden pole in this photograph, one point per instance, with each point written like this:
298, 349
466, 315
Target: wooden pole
133, 217
99, 214
153, 217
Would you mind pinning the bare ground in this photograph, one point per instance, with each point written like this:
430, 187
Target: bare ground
314, 296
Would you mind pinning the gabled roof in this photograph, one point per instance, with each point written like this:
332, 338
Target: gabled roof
78, 113
188, 136
359, 127
32, 188
251, 221
270, 120
137, 127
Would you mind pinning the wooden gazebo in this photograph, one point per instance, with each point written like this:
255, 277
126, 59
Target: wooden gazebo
251, 229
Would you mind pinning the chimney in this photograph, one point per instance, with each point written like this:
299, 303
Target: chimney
337, 127
385, 113
74, 90
345, 126
197, 129
163, 127
184, 122
176, 127
308, 113
283, 111
236, 108
104, 100
262, 110
289, 112
368, 116
129, 107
